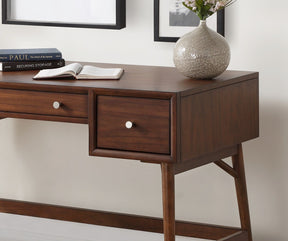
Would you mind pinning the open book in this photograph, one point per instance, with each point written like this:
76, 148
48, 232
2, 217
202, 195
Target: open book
77, 71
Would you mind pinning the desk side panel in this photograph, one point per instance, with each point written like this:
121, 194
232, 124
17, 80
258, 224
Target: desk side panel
214, 120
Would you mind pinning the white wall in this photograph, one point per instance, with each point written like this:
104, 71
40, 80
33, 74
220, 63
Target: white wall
48, 162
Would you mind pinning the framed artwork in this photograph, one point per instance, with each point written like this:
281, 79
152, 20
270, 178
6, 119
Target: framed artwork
107, 14
172, 20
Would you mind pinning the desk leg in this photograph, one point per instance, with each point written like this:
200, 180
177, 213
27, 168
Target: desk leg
241, 189
168, 196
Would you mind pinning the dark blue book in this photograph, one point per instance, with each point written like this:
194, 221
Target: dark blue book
14, 55
31, 65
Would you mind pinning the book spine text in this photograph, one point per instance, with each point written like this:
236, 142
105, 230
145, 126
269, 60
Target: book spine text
29, 57
33, 65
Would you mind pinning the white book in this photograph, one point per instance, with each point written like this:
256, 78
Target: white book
77, 71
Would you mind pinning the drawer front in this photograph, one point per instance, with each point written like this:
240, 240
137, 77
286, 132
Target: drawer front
36, 102
151, 124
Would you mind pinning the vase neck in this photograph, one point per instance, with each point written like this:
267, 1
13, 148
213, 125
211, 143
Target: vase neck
202, 23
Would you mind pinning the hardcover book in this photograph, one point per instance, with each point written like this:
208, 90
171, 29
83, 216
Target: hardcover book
31, 65
77, 71
14, 55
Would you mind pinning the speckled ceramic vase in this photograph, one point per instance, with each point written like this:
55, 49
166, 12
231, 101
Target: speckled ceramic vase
202, 53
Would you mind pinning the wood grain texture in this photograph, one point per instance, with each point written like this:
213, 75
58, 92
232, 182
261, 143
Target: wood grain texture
175, 127
168, 197
141, 156
34, 102
151, 124
92, 112
117, 220
168, 106
219, 118
135, 78
44, 117
227, 168
205, 159
241, 190
180, 123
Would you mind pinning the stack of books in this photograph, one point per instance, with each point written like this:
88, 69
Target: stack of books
30, 59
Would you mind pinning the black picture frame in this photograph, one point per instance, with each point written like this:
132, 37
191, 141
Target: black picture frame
120, 18
158, 38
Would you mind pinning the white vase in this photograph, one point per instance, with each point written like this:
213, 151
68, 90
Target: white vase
202, 53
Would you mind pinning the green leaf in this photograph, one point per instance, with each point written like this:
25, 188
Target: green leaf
203, 11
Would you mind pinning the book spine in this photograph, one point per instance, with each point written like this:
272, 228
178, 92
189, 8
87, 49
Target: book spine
30, 57
33, 65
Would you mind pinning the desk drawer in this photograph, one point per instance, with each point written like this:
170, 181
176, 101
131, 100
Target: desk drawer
151, 124
36, 102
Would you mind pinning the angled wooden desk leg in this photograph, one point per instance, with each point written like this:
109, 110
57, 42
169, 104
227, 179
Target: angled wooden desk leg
168, 196
241, 189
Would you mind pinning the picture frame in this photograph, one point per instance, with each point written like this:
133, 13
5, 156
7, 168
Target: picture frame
110, 14
166, 28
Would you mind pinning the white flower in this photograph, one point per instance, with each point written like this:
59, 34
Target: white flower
220, 5
212, 9
210, 2
191, 4
205, 8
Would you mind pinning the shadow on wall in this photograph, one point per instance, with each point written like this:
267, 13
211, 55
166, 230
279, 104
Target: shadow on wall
56, 169
267, 174
46, 158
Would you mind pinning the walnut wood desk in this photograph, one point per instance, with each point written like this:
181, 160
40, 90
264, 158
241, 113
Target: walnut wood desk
155, 115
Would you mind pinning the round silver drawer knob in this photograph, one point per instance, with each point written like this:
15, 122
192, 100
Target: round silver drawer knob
129, 124
56, 105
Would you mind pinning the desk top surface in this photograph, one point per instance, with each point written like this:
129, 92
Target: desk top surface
143, 78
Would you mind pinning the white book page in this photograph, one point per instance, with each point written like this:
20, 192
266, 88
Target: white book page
92, 72
68, 70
